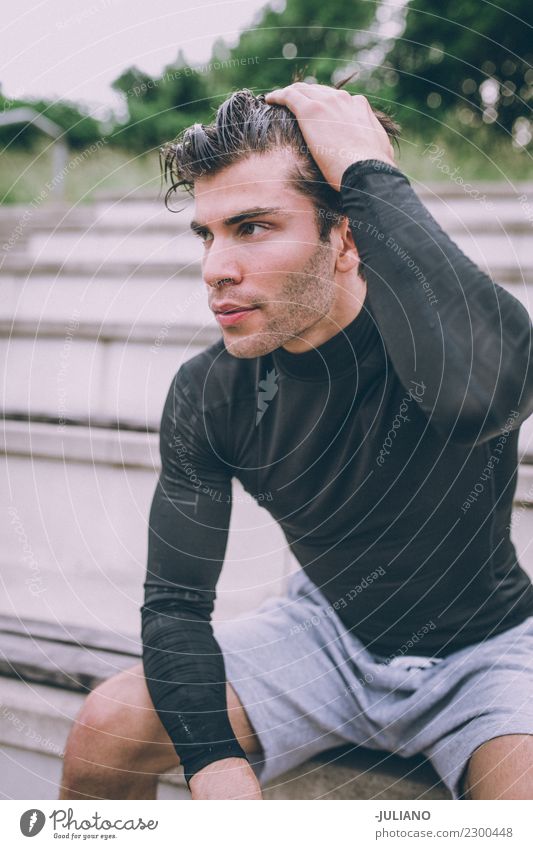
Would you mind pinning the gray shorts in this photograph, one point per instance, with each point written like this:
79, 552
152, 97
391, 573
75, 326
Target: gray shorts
308, 685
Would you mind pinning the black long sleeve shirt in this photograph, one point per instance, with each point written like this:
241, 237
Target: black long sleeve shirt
390, 451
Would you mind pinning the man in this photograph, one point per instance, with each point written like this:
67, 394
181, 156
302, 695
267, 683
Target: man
374, 381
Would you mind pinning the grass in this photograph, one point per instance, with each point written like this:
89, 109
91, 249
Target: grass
84, 175
450, 158
88, 174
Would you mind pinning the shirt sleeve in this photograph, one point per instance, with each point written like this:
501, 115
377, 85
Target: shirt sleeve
456, 338
187, 537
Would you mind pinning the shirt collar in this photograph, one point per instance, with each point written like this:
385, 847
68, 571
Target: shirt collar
339, 355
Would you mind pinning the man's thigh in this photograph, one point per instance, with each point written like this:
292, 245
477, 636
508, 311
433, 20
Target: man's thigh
479, 703
297, 671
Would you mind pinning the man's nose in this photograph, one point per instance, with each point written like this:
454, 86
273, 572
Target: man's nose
221, 264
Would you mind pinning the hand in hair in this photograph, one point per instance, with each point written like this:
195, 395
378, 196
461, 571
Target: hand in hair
339, 128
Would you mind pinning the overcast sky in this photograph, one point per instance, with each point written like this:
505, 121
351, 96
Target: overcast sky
75, 48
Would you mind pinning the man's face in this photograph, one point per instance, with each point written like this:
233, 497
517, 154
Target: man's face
271, 257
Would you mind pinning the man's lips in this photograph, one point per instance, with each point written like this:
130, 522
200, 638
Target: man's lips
233, 315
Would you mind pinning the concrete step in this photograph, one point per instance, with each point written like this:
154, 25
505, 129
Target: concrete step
35, 721
359, 773
74, 546
105, 379
164, 302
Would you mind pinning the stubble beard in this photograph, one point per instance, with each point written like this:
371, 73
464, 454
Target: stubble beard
306, 297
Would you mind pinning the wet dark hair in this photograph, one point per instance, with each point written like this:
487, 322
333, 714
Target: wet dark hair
246, 124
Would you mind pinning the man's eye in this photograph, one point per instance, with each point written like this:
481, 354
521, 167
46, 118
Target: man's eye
245, 229
251, 224
203, 235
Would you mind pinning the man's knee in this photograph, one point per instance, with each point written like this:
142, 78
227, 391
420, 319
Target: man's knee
118, 727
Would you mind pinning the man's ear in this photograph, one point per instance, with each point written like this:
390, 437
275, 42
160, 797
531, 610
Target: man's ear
344, 246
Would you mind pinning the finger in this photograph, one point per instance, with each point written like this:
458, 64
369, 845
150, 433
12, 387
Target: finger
290, 92
364, 108
360, 98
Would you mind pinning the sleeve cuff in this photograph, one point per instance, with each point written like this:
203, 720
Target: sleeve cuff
209, 754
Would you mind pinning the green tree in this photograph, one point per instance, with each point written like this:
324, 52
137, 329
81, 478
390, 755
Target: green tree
308, 38
466, 61
159, 107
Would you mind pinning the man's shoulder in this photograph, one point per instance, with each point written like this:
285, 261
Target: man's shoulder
214, 377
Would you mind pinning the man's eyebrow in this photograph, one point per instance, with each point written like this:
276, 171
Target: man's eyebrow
243, 216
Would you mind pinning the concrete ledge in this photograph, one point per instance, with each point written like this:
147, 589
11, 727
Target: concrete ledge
359, 773
68, 657
82, 444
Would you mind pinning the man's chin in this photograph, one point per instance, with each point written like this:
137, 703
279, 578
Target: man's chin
255, 345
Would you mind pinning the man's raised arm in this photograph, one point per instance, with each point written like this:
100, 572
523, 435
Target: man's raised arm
445, 324
188, 529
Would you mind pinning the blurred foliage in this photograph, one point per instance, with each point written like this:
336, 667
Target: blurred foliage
466, 63
159, 107
459, 71
80, 129
308, 39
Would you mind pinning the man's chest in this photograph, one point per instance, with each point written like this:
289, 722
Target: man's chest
340, 453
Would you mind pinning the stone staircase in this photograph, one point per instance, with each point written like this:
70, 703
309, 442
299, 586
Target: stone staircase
99, 305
